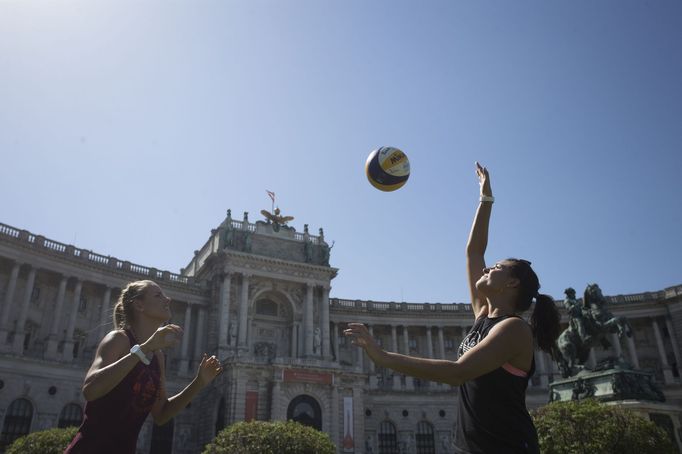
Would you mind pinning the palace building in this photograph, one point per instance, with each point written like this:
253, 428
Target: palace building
257, 295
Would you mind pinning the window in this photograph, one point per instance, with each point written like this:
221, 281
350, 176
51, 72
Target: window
388, 442
71, 415
266, 307
425, 442
412, 343
449, 344
17, 422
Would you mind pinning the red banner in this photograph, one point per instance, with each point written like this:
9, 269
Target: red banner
251, 409
306, 376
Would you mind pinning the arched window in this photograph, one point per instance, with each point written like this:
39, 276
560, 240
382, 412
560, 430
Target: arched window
17, 422
425, 442
220, 418
266, 307
162, 438
71, 415
388, 442
305, 410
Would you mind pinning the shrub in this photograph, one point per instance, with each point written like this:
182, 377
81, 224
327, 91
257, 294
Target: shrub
279, 437
52, 441
587, 426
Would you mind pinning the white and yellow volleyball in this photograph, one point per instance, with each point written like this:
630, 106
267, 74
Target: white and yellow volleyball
387, 168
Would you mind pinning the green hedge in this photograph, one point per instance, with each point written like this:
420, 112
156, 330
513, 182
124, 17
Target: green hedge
587, 426
261, 437
52, 441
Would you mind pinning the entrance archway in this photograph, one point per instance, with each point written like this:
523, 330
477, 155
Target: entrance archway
305, 410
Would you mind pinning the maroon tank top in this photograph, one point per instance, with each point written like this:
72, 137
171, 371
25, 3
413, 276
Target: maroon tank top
112, 423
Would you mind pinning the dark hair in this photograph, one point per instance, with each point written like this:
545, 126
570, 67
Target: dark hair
123, 309
544, 320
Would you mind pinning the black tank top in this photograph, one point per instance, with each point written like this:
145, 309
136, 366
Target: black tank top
492, 417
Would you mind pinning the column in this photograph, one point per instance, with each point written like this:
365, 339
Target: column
633, 352
19, 335
324, 322
184, 347
429, 342
105, 321
224, 314
406, 340
394, 348
335, 339
294, 341
67, 354
394, 339
275, 403
441, 343
371, 363
673, 341
53, 337
199, 336
308, 321
409, 380
9, 302
667, 373
360, 358
373, 380
335, 415
244, 312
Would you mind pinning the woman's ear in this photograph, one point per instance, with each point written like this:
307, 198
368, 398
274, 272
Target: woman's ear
137, 305
513, 282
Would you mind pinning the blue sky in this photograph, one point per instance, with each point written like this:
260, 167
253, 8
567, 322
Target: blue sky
129, 128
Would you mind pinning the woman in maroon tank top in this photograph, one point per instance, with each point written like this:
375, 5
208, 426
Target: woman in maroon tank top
126, 380
495, 359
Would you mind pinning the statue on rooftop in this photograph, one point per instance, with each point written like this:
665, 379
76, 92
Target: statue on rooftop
276, 219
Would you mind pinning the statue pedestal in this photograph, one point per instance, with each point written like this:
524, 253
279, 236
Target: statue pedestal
626, 388
607, 385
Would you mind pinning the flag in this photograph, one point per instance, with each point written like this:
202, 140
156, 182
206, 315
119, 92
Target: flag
271, 194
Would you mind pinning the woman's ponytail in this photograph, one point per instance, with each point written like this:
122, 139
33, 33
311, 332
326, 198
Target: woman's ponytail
123, 309
545, 318
545, 322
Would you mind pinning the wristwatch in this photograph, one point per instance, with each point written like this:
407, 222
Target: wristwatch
136, 350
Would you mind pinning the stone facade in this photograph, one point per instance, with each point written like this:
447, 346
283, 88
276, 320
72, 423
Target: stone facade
257, 295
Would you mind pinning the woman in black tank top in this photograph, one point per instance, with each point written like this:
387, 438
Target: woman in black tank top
495, 359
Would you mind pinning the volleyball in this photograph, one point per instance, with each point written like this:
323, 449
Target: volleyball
387, 168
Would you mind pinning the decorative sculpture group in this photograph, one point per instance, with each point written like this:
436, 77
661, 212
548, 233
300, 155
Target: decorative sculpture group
590, 325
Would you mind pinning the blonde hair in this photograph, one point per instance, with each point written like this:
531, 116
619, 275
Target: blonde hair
124, 313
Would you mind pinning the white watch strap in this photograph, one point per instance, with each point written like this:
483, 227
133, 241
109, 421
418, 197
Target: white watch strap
487, 198
136, 350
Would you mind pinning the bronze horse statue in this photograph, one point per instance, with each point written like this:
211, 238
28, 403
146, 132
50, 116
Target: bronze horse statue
589, 325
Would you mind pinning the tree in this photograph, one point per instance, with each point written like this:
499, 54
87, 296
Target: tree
587, 426
52, 441
279, 437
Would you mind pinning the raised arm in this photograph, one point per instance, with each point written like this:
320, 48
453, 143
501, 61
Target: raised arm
166, 408
478, 242
113, 360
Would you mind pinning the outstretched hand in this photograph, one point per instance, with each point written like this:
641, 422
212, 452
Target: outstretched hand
483, 180
209, 369
361, 337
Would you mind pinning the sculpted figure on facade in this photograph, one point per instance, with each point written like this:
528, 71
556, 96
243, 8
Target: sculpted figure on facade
317, 341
